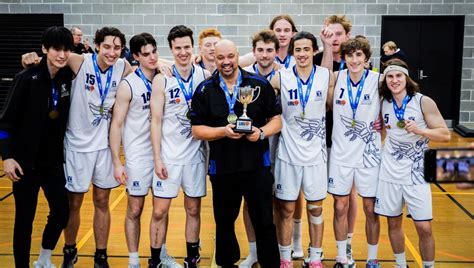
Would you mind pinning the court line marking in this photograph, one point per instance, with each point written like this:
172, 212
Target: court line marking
413, 251
91, 230
462, 258
456, 202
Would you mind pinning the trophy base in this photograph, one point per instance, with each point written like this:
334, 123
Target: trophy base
243, 126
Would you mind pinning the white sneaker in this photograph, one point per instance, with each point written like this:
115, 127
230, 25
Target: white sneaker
38, 264
297, 251
350, 258
248, 262
169, 262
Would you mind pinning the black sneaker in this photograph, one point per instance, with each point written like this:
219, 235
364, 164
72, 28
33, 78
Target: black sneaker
192, 262
100, 261
153, 264
70, 257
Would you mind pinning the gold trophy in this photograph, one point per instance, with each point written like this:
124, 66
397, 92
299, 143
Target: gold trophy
246, 96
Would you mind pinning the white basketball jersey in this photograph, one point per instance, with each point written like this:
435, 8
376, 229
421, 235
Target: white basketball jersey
253, 69
177, 143
356, 144
303, 138
286, 65
403, 152
88, 129
136, 129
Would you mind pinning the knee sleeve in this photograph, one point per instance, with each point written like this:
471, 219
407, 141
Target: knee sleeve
314, 219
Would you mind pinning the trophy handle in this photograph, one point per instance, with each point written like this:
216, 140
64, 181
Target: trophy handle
258, 94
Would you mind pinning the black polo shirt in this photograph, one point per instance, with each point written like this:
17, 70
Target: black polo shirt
210, 108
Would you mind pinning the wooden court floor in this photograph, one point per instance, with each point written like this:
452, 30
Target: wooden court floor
453, 229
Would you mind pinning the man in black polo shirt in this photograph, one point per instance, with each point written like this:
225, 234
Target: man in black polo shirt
239, 163
32, 127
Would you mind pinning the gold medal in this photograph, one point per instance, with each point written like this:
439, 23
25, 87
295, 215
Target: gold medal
302, 115
53, 114
232, 118
353, 124
101, 110
401, 123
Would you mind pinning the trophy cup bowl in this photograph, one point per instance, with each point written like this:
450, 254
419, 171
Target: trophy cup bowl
246, 96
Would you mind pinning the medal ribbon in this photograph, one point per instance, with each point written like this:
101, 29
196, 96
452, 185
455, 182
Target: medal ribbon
268, 76
230, 100
304, 99
285, 62
187, 92
147, 83
400, 112
102, 91
355, 104
55, 96
341, 65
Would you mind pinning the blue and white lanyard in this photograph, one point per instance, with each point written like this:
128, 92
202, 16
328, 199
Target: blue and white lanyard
55, 96
268, 76
102, 91
400, 112
285, 62
304, 100
230, 100
147, 83
355, 104
187, 92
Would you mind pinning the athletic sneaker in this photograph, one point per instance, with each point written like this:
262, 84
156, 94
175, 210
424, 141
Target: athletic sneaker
297, 253
350, 258
248, 262
70, 257
153, 264
100, 261
169, 262
192, 262
306, 260
37, 264
372, 264
316, 264
286, 263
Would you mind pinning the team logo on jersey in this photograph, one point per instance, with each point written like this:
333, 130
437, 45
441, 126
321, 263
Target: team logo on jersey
366, 100
64, 91
377, 202
311, 128
293, 103
69, 179
89, 87
358, 129
114, 83
159, 186
136, 186
411, 118
98, 116
319, 96
186, 124
175, 101
341, 102
414, 152
279, 188
331, 182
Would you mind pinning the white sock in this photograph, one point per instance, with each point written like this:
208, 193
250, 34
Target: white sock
285, 252
401, 260
315, 254
428, 264
349, 238
372, 251
341, 249
45, 256
253, 249
163, 252
133, 258
297, 226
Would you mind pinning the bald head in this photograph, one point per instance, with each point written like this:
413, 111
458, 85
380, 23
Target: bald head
227, 58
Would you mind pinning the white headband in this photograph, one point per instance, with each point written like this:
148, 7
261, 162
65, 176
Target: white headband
395, 68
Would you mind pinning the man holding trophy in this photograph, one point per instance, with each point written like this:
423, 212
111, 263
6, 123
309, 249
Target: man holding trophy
239, 152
